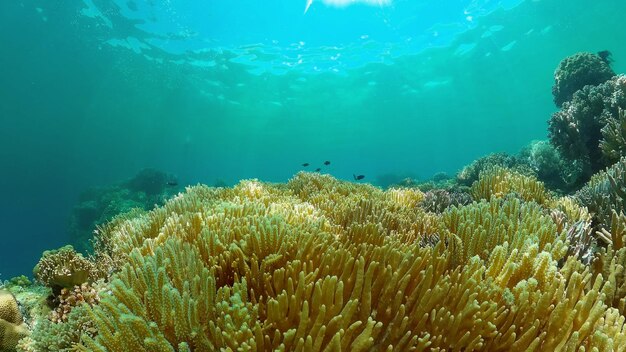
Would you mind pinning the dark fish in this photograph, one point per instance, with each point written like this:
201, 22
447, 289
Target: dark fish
605, 55
172, 183
306, 164
318, 169
326, 162
358, 177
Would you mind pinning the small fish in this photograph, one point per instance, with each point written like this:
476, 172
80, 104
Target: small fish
326, 162
318, 169
172, 183
306, 164
358, 177
605, 55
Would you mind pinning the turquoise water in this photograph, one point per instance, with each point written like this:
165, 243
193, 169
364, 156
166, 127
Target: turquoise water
217, 91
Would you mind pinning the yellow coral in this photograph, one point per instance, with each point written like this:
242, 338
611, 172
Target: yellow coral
571, 208
322, 265
9, 310
12, 327
498, 182
483, 226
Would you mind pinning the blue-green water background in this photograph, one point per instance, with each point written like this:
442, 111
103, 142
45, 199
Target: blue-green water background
93, 91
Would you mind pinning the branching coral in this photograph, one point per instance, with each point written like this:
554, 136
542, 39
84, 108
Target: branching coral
571, 209
322, 265
483, 226
576, 71
499, 182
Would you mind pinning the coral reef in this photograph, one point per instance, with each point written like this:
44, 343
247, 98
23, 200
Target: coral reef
12, 327
496, 259
576, 71
320, 264
98, 205
586, 130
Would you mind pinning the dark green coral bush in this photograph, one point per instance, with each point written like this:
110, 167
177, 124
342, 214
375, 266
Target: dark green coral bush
580, 128
576, 71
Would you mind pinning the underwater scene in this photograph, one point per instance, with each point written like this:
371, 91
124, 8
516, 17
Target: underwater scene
312, 175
